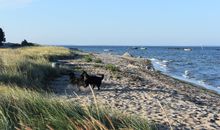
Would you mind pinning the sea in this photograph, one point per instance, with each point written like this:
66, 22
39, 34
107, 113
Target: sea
198, 65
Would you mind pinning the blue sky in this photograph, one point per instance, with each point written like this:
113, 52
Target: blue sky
112, 22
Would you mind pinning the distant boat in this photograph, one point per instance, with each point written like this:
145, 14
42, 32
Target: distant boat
107, 50
187, 49
143, 48
175, 48
134, 48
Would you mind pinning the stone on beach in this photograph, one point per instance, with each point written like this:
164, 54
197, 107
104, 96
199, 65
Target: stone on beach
126, 54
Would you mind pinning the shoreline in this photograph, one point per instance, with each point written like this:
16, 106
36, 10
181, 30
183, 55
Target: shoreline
196, 84
164, 65
185, 81
191, 81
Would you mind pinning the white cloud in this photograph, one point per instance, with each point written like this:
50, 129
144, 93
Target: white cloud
14, 3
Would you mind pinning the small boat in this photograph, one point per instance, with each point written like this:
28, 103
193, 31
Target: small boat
143, 48
107, 50
187, 49
135, 48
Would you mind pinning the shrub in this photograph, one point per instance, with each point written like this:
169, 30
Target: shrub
25, 43
98, 60
88, 58
98, 65
111, 67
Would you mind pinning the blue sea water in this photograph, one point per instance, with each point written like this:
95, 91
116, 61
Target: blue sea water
200, 66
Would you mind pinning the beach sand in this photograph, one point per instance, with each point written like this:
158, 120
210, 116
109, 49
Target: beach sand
145, 93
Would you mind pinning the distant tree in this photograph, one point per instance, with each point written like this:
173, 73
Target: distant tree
24, 43
2, 37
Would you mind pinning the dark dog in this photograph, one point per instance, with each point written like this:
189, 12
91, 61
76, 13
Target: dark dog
92, 80
76, 79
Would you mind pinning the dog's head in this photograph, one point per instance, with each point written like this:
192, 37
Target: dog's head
84, 75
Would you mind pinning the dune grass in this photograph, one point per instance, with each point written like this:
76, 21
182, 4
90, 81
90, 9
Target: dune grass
112, 67
21, 108
24, 108
29, 67
88, 58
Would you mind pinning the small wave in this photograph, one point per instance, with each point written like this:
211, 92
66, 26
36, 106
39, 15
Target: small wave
152, 59
159, 64
186, 74
165, 61
202, 82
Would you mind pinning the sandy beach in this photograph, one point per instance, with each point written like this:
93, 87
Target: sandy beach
134, 90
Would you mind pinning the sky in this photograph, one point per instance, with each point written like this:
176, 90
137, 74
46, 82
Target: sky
112, 22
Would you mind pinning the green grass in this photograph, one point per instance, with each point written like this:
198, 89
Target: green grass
21, 108
29, 66
88, 58
24, 108
91, 58
111, 67
98, 65
98, 60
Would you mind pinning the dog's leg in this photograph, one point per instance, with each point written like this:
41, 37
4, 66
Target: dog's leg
98, 86
93, 86
86, 85
79, 88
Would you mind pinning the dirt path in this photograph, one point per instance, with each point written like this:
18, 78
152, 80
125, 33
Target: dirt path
148, 94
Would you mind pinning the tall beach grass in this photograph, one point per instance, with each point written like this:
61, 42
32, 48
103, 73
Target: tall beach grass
24, 108
30, 66
21, 108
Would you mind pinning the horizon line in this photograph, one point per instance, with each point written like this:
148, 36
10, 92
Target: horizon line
120, 45
144, 45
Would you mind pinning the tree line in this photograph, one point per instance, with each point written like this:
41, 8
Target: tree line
3, 39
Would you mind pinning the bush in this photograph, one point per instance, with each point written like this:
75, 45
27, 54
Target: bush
98, 60
98, 65
111, 67
25, 43
88, 58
